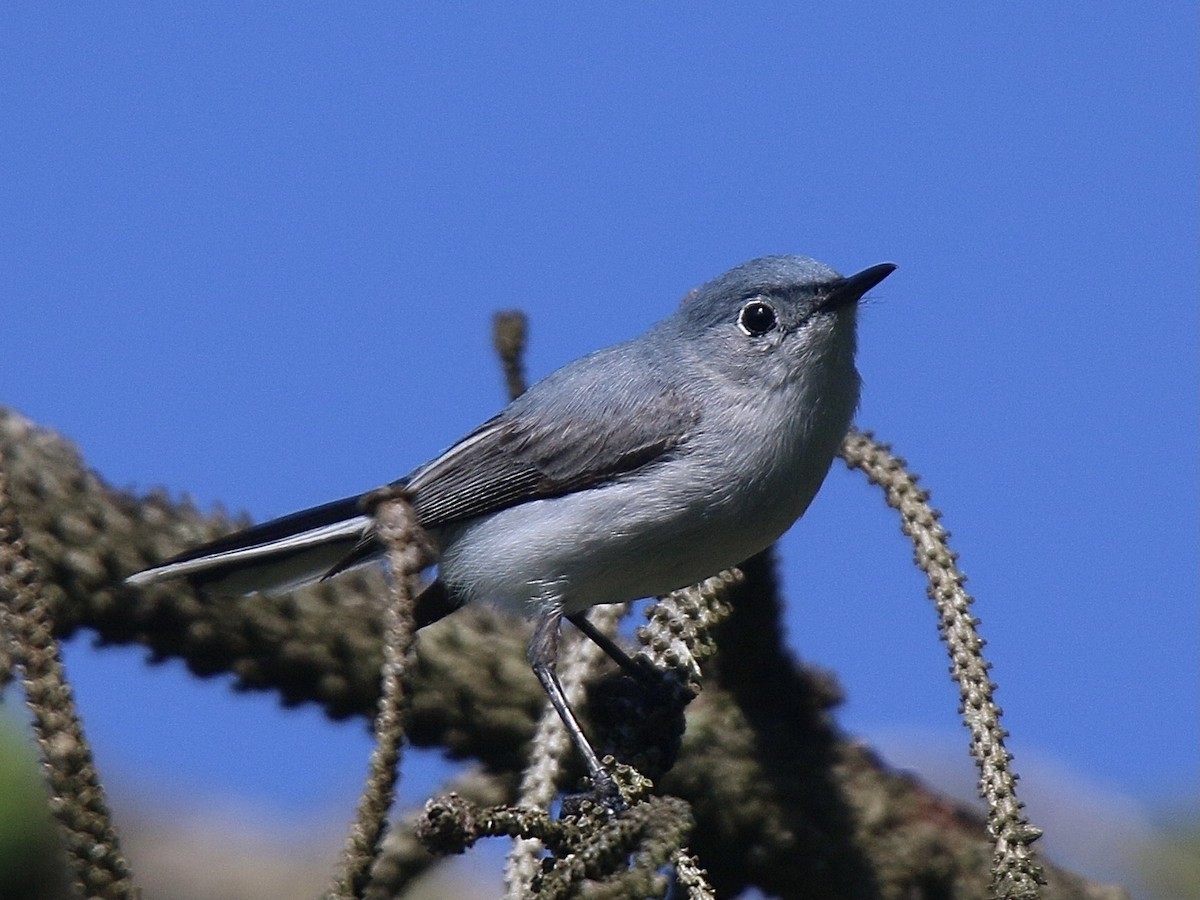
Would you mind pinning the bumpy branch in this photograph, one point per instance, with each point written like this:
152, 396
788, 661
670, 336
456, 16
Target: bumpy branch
77, 800
408, 553
781, 799
1015, 872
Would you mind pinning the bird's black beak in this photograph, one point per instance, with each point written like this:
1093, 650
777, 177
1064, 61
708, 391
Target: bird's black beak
851, 288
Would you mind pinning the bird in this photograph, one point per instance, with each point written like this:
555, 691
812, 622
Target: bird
630, 472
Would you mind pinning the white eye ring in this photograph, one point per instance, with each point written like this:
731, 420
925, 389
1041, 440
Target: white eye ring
756, 317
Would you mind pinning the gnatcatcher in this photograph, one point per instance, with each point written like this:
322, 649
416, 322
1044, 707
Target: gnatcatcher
628, 473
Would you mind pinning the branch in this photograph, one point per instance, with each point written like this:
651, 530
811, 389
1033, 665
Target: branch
781, 799
94, 859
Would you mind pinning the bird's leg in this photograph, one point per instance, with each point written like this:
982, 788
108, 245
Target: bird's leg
609, 646
640, 714
543, 658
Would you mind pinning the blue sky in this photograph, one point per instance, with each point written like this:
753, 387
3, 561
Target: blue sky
252, 255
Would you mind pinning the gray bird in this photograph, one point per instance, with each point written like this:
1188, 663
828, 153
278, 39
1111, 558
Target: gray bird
628, 473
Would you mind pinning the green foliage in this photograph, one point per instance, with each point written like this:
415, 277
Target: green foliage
30, 865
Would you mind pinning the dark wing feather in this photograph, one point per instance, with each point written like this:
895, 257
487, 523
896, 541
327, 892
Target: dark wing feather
596, 420
593, 431
508, 463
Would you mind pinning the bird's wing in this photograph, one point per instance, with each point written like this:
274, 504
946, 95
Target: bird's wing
534, 451
601, 417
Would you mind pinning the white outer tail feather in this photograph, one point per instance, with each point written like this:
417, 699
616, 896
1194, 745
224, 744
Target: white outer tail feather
271, 567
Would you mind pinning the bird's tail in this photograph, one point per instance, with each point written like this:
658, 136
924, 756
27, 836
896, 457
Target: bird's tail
275, 556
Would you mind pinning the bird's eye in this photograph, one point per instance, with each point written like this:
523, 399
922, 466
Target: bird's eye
756, 318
